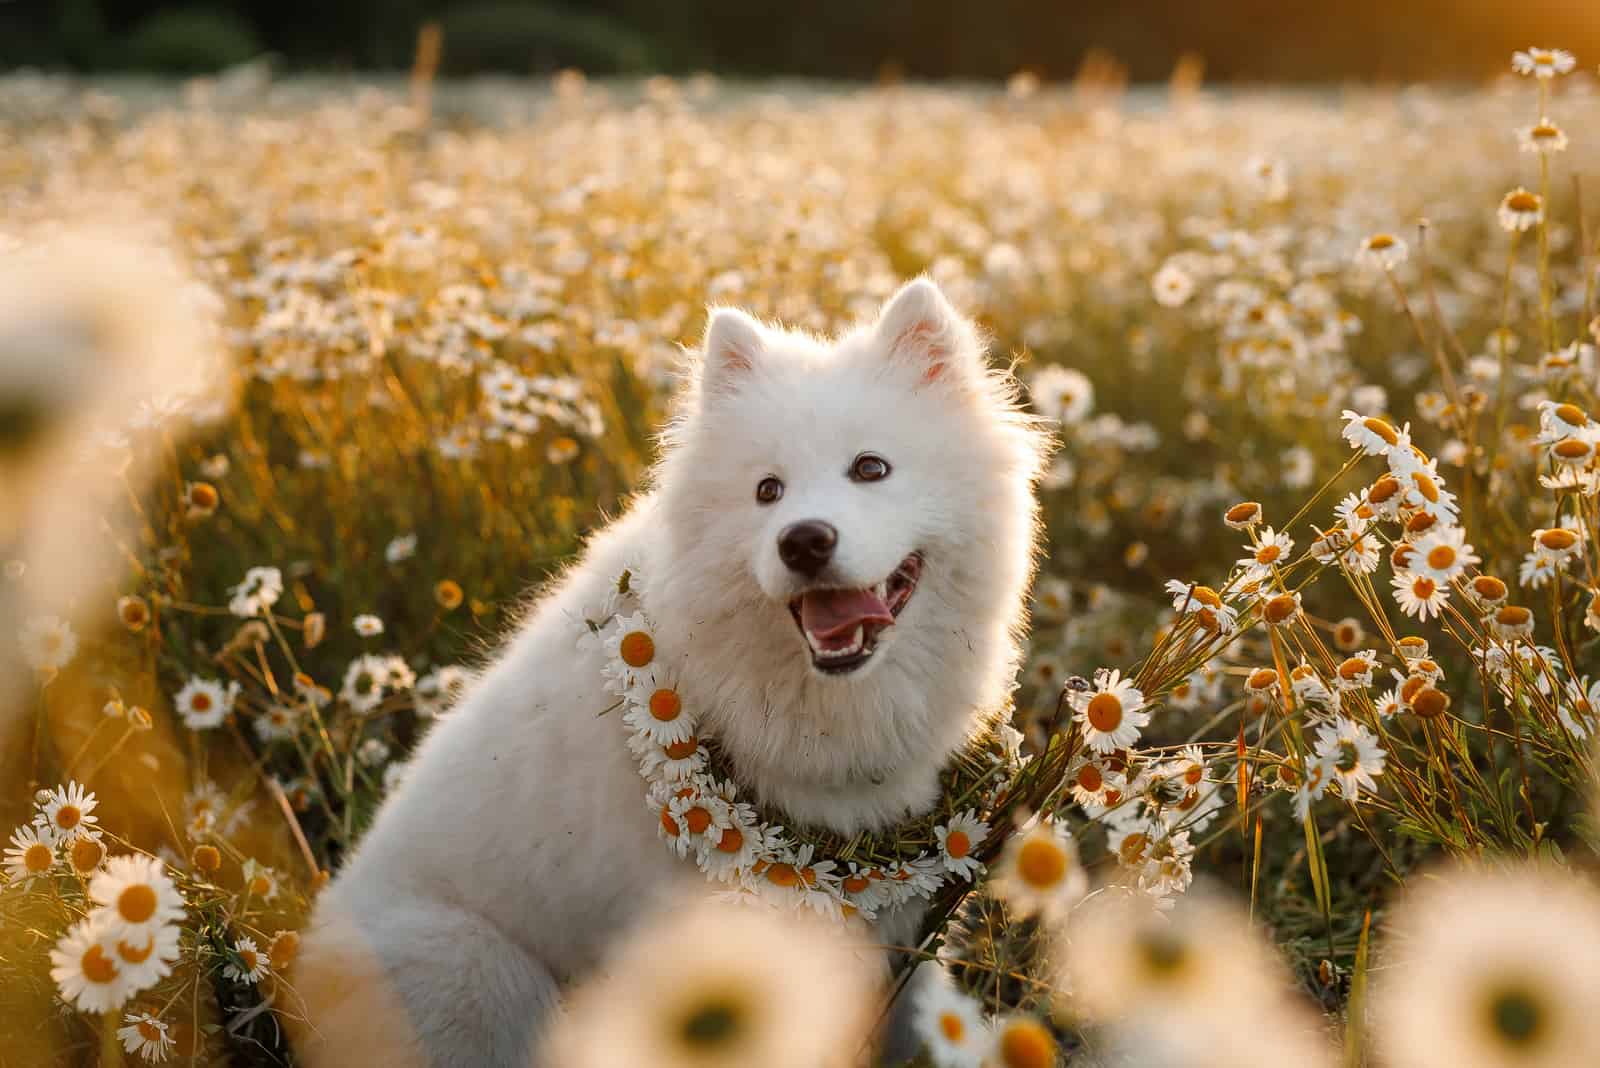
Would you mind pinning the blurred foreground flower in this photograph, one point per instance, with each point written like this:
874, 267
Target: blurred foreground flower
729, 985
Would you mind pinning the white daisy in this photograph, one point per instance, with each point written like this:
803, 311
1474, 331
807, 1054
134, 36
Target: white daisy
1419, 595
31, 855
1061, 393
259, 591
139, 892
48, 643
1318, 775
363, 686
1352, 754
440, 688
367, 625
1355, 672
147, 958
659, 715
1172, 285
1112, 713
1442, 554
1371, 435
204, 703
630, 649
147, 1036
1382, 251
1271, 549
951, 1026
1039, 870
400, 549
260, 881
957, 839
1543, 62
84, 967
84, 964
246, 964
67, 811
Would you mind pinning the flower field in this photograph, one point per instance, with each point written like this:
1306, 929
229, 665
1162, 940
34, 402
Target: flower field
303, 388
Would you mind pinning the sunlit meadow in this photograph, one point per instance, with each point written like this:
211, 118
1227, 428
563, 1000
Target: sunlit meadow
303, 388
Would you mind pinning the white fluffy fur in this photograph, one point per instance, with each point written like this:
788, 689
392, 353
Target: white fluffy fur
519, 844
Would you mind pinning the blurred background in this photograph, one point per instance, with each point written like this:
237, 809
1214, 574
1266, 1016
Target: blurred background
1240, 41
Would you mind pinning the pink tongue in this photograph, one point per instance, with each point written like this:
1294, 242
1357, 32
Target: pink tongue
831, 615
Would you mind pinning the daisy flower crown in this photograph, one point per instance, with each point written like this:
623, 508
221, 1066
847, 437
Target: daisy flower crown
754, 852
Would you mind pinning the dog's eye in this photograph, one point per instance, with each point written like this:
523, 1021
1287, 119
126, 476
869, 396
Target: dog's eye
768, 490
869, 467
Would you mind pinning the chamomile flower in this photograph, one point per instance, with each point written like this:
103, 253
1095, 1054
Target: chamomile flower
367, 625
1352, 754
629, 644
147, 1036
277, 723
1442, 554
1271, 549
1510, 622
1112, 713
951, 1026
246, 963
1520, 210
1419, 595
1476, 978
957, 840
1062, 393
1318, 775
400, 549
1373, 436
84, 965
1039, 870
1382, 251
1022, 1041
67, 811
1543, 137
1172, 285
48, 643
260, 881
719, 984
146, 958
257, 592
204, 703
1543, 62
31, 855
659, 715
364, 682
139, 892
1559, 544
1205, 604
439, 689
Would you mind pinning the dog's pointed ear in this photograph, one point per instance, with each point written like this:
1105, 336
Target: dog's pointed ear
918, 324
732, 345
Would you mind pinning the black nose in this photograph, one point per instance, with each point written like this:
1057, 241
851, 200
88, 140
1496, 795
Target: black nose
807, 546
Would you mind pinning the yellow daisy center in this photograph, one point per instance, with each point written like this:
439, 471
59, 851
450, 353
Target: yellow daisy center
87, 854
1441, 557
637, 648
68, 817
135, 955
148, 1031
137, 903
1104, 712
1041, 862
96, 966
38, 858
1558, 540
958, 844
1382, 429
1026, 1044
665, 705
952, 1026
682, 750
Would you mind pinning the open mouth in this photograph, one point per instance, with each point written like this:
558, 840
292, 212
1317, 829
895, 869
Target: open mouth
842, 626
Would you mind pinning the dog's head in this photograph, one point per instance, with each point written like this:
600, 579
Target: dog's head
849, 523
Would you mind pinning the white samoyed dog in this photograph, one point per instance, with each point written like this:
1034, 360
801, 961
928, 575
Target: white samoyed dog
836, 547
